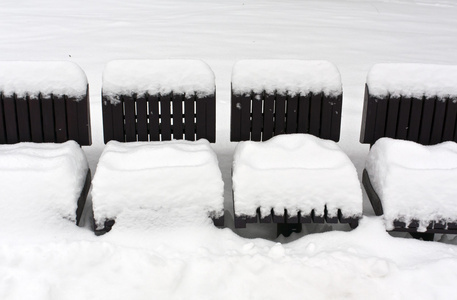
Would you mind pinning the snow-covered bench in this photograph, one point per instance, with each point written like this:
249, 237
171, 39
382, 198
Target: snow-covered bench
163, 107
406, 108
292, 178
42, 104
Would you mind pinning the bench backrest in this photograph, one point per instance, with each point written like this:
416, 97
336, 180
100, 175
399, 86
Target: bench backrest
420, 106
43, 102
286, 96
155, 100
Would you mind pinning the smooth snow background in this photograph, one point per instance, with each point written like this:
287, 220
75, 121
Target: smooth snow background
66, 262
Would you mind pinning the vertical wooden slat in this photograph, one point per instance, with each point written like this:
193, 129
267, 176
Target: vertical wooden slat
189, 118
9, 107
245, 119
107, 113
403, 118
280, 114
178, 132
303, 113
141, 118
368, 118
428, 111
211, 118
154, 125
450, 120
415, 119
315, 114
84, 129
381, 118
72, 119
60, 118
2, 122
23, 121
257, 117
326, 117
48, 117
268, 116
201, 117
438, 121
118, 120
393, 107
129, 118
336, 118
235, 118
165, 117
292, 113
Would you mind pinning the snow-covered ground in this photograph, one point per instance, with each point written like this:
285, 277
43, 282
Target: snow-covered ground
176, 260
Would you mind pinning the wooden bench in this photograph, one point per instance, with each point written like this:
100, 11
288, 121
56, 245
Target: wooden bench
427, 118
258, 115
157, 113
40, 112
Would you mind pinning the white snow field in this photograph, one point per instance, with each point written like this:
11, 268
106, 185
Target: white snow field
186, 260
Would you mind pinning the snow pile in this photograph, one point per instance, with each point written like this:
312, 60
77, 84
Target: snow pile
413, 80
127, 77
299, 172
142, 180
286, 76
30, 78
414, 182
40, 183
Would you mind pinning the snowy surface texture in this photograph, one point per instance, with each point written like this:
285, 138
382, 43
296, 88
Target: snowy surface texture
413, 80
40, 182
127, 77
414, 182
30, 78
299, 172
281, 76
174, 179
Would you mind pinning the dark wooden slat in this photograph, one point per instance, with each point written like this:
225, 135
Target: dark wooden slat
326, 117
292, 113
268, 117
303, 113
84, 129
328, 219
277, 217
2, 122
72, 119
235, 118
393, 107
415, 119
264, 218
165, 117
317, 218
60, 118
211, 118
305, 218
129, 118
47, 110
189, 118
315, 114
178, 126
154, 117
336, 118
438, 121
381, 118
292, 218
201, 117
403, 118
428, 111
368, 118
107, 113
280, 114
118, 121
9, 108
450, 120
257, 117
23, 121
141, 118
245, 107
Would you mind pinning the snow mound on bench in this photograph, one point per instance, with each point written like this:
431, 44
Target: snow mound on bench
286, 76
40, 183
414, 182
180, 76
299, 172
157, 180
413, 80
30, 78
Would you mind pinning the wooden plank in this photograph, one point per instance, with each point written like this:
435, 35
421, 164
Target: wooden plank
9, 109
129, 118
201, 117
118, 120
278, 217
211, 118
292, 113
2, 122
337, 109
189, 118
268, 116
403, 118
107, 114
72, 119
141, 118
450, 120
245, 107
154, 117
291, 218
23, 121
165, 117
84, 129
267, 218
438, 121
317, 218
178, 126
381, 118
305, 217
393, 108
60, 118
47, 111
415, 119
315, 114
368, 118
326, 117
257, 117
303, 113
428, 111
280, 114
235, 118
